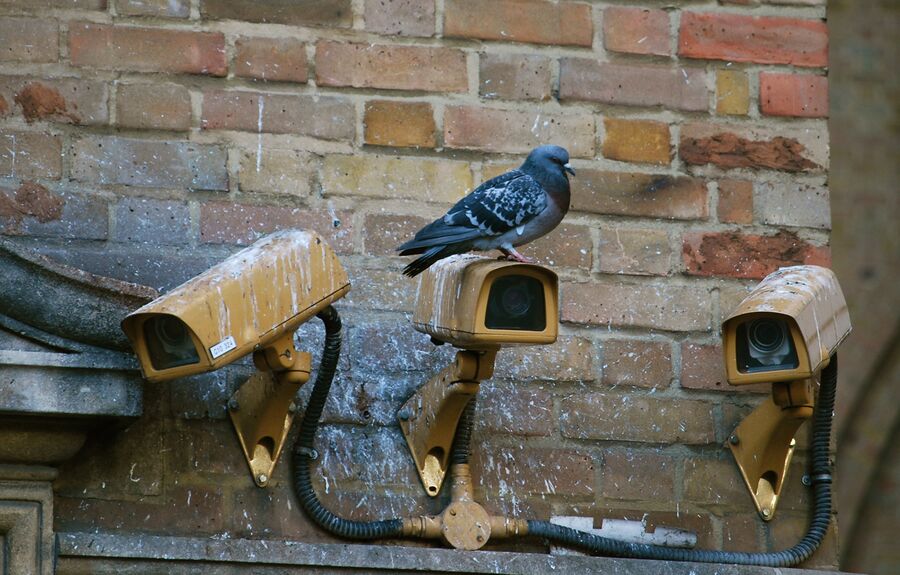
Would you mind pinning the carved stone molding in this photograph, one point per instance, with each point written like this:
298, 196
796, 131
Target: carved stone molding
26, 520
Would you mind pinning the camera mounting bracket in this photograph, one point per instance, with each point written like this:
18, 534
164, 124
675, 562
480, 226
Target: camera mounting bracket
429, 418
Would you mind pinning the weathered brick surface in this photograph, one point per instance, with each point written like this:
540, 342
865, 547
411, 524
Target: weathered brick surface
569, 359
399, 124
334, 13
510, 409
275, 171
148, 221
146, 49
703, 367
636, 30
30, 155
732, 93
391, 67
730, 146
731, 254
682, 88
763, 40
569, 245
621, 468
270, 59
641, 141
638, 251
514, 77
638, 363
534, 470
384, 233
62, 4
64, 100
162, 8
33, 210
401, 17
793, 95
512, 131
636, 418
395, 177
27, 40
662, 307
533, 21
713, 481
326, 117
735, 201
153, 106
647, 195
149, 163
793, 205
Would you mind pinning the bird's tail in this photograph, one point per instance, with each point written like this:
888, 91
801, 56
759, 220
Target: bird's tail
430, 256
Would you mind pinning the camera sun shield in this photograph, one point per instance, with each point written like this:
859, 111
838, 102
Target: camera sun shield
475, 302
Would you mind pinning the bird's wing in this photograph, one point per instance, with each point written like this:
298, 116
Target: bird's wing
492, 209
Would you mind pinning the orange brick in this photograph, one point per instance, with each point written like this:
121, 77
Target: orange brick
642, 141
630, 474
735, 202
638, 363
399, 124
731, 254
793, 95
636, 31
763, 40
532, 21
275, 59
732, 93
391, 67
648, 195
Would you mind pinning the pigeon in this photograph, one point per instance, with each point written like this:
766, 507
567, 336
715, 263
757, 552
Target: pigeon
504, 212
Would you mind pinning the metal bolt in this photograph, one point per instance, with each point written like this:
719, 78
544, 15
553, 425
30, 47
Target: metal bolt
734, 439
233, 404
806, 480
262, 478
766, 512
292, 408
453, 512
404, 414
480, 539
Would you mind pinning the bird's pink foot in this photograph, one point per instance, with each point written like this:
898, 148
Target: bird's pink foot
512, 255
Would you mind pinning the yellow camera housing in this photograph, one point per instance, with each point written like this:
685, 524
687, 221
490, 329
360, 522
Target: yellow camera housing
798, 310
245, 303
474, 302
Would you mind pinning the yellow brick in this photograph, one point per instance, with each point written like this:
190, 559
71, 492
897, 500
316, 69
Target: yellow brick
396, 177
732, 93
642, 141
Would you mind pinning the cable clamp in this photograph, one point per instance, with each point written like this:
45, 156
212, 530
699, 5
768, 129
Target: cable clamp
308, 451
821, 478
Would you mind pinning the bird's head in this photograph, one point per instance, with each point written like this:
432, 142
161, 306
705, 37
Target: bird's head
548, 159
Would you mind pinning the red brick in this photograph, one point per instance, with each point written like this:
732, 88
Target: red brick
161, 8
229, 223
399, 124
793, 95
714, 481
741, 533
514, 410
430, 69
30, 155
637, 251
531, 21
35, 211
636, 418
731, 254
384, 232
533, 470
638, 363
400, 17
26, 40
640, 141
636, 475
762, 40
514, 77
65, 100
330, 13
569, 245
679, 88
735, 202
147, 49
153, 222
62, 4
636, 31
153, 106
660, 196
318, 116
654, 306
271, 59
149, 163
511, 131
735, 147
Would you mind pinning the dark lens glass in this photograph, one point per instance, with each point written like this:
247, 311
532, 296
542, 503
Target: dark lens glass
516, 302
169, 342
765, 344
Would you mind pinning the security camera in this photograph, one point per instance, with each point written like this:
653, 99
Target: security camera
474, 302
785, 333
787, 328
253, 301
246, 303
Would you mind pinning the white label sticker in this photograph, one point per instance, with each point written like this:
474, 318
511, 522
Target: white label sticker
222, 347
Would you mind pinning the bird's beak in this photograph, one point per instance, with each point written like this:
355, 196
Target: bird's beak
569, 168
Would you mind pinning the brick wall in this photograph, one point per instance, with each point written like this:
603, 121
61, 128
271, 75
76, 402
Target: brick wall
147, 139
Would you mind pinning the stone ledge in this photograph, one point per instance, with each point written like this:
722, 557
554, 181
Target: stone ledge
103, 552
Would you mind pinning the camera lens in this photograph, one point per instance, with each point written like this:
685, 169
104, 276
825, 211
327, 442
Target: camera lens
171, 331
516, 302
766, 335
169, 342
